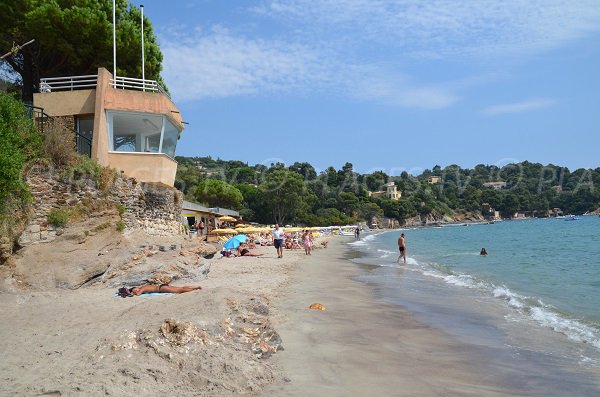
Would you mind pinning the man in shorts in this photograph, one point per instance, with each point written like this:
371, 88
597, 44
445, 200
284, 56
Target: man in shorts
278, 235
402, 247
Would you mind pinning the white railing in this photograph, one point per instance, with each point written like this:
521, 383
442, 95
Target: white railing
50, 84
131, 83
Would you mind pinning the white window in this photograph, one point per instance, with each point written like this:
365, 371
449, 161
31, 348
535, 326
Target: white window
141, 133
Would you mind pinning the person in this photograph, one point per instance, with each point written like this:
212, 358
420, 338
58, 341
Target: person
162, 288
244, 251
200, 227
402, 247
483, 252
357, 233
307, 239
278, 235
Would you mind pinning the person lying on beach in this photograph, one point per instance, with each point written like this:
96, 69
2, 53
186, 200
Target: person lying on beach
162, 288
243, 251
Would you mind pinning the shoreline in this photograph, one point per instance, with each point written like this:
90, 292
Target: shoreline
361, 346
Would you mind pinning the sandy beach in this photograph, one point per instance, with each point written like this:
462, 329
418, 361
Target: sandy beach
203, 343
249, 331
358, 346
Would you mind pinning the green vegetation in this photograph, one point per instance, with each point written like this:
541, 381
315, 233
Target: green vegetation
20, 143
298, 194
59, 217
121, 208
120, 226
75, 38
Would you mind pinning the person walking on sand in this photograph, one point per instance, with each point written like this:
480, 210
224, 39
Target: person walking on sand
278, 235
307, 239
402, 247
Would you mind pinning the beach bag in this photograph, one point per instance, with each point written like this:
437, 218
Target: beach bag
124, 292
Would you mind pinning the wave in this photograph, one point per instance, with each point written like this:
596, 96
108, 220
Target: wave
533, 308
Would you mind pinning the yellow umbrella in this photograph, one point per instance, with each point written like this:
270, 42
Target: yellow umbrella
227, 218
225, 231
241, 225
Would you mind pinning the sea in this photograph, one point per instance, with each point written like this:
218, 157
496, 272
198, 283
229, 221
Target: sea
530, 308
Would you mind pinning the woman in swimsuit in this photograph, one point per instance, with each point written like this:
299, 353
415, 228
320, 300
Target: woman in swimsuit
243, 251
162, 288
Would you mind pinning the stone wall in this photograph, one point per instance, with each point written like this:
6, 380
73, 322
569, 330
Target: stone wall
154, 208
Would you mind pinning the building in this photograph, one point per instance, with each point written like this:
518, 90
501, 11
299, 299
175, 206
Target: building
391, 192
192, 213
495, 185
489, 212
432, 180
124, 123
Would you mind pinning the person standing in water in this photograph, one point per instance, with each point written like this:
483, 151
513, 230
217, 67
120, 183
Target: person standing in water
402, 247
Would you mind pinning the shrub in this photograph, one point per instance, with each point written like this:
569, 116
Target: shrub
58, 217
121, 208
20, 142
120, 226
59, 144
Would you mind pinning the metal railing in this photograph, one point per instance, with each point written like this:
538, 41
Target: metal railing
83, 144
70, 83
38, 116
138, 84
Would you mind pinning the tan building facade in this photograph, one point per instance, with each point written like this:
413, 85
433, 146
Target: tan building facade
391, 192
132, 124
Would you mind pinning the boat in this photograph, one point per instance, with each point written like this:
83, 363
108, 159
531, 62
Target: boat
572, 218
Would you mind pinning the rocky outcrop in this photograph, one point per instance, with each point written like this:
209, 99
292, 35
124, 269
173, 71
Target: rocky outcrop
152, 207
429, 219
89, 252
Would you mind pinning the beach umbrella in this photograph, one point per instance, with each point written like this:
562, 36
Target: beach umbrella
235, 241
224, 231
242, 238
227, 218
241, 225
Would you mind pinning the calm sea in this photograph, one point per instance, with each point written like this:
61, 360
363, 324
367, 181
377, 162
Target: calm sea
533, 302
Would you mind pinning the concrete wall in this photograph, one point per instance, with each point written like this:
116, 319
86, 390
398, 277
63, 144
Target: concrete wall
66, 103
146, 167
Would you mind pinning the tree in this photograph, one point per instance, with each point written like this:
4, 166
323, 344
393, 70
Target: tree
19, 143
217, 193
369, 210
284, 196
75, 38
304, 169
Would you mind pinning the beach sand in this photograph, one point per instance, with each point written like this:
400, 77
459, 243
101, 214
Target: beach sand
360, 347
203, 343
249, 331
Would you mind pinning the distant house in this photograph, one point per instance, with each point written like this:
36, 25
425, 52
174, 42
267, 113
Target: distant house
555, 212
125, 123
432, 180
489, 212
391, 192
495, 185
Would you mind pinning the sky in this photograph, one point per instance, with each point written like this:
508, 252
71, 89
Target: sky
396, 85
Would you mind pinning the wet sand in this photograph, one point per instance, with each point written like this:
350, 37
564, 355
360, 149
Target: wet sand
359, 346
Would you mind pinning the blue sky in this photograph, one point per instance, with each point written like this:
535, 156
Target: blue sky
386, 85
